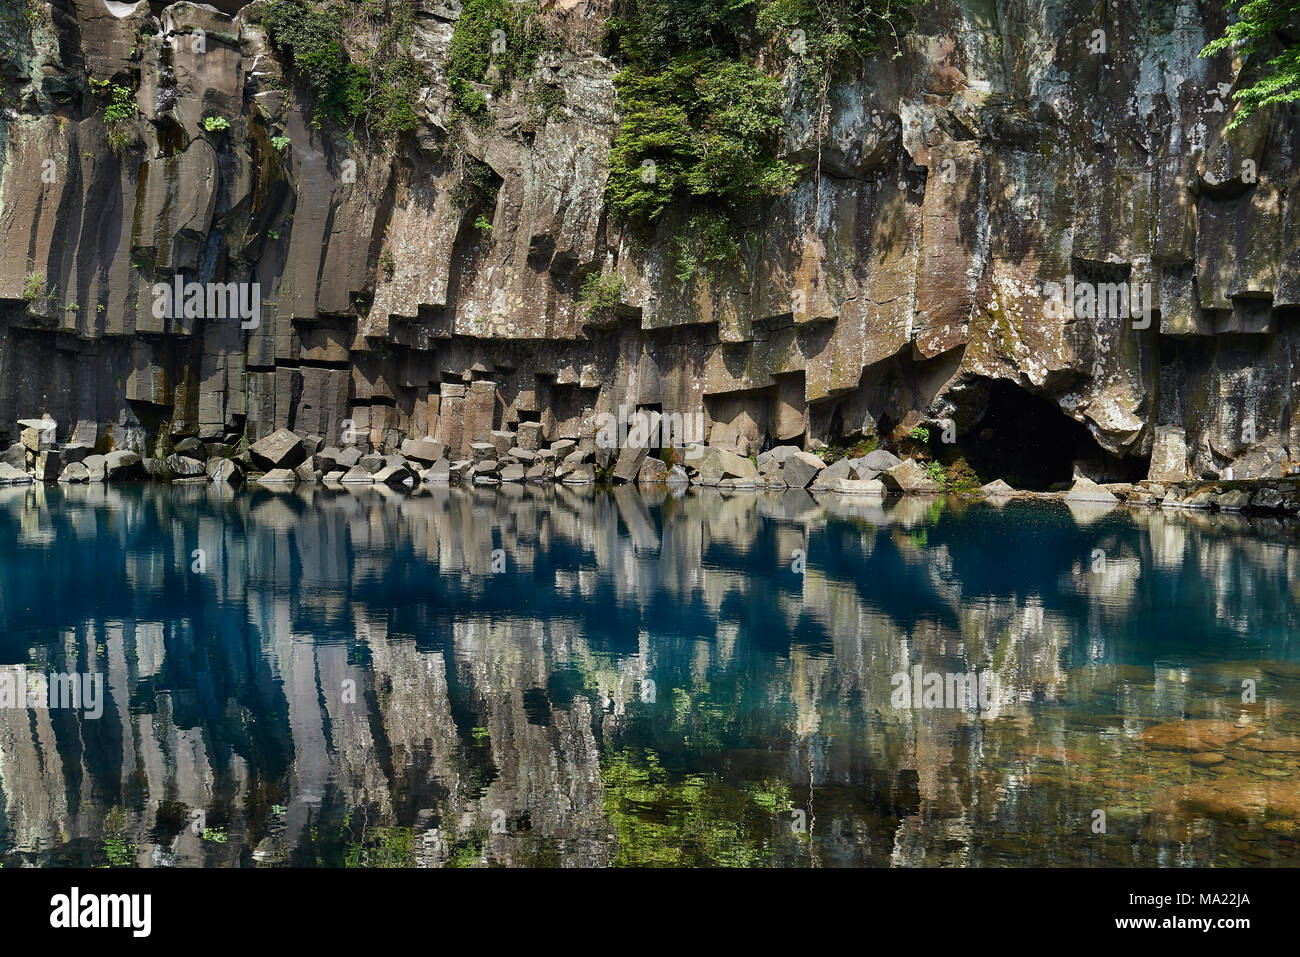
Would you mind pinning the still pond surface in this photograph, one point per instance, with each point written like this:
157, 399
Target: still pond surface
524, 676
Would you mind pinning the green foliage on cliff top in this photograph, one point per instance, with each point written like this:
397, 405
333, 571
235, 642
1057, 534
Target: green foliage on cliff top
829, 34
1264, 28
494, 41
380, 89
701, 121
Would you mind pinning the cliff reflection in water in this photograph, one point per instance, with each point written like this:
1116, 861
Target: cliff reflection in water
641, 680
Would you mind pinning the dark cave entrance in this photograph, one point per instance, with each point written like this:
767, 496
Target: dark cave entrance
1027, 441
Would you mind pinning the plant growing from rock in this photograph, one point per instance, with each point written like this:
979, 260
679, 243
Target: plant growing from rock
35, 13
600, 295
701, 122
1263, 28
118, 113
377, 90
494, 42
118, 851
830, 454
216, 124
709, 242
34, 286
477, 188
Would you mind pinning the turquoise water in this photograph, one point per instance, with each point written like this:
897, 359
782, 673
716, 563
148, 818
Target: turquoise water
545, 676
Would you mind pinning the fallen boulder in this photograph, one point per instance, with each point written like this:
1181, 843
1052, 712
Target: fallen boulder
439, 473
123, 464
224, 471
910, 478
653, 472
423, 450
1086, 490
12, 476
182, 466
96, 465
279, 478
281, 449
800, 468
998, 489
629, 462
75, 472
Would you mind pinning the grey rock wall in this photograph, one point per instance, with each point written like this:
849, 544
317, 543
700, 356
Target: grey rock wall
996, 156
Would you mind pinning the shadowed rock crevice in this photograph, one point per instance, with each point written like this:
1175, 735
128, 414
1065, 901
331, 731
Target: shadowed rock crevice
1030, 443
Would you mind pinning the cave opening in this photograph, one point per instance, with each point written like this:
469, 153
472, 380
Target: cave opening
1028, 442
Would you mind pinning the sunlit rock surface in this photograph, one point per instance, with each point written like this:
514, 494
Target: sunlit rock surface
1002, 153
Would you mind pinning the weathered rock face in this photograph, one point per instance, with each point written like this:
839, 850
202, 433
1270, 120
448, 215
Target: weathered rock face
964, 188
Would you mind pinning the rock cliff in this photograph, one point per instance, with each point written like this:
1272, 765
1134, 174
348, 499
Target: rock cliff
1010, 154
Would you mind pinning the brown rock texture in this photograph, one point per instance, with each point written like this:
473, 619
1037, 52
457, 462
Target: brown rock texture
995, 160
1198, 734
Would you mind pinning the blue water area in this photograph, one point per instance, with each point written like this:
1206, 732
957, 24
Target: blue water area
521, 676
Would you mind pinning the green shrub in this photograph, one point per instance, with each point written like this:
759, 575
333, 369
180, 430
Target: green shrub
477, 188
920, 434
962, 478
118, 851
700, 129
600, 295
380, 92
835, 32
709, 242
118, 113
500, 36
864, 446
701, 123
279, 143
121, 101
216, 124
34, 286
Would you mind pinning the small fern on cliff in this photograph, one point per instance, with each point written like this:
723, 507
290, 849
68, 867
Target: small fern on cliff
118, 112
34, 287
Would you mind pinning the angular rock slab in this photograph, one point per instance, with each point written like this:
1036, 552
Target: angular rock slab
279, 450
